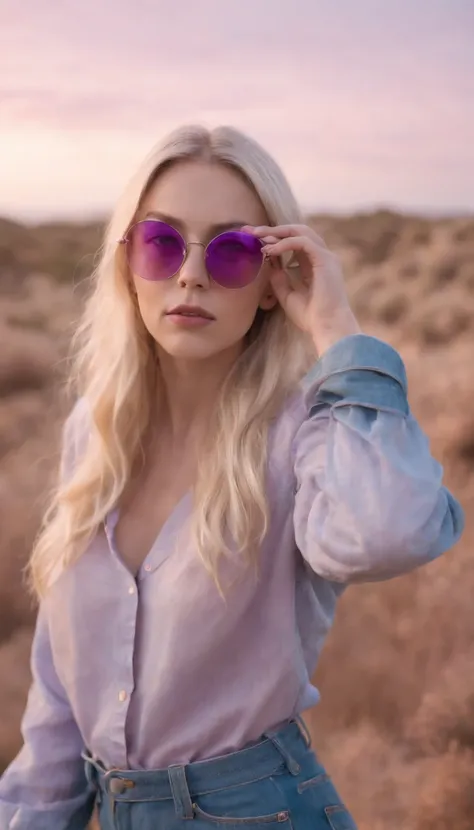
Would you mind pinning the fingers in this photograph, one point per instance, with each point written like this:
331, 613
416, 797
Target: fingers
282, 231
294, 243
279, 230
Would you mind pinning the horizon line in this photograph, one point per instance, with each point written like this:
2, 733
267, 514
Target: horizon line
84, 216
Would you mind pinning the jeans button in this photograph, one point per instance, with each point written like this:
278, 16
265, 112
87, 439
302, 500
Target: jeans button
117, 786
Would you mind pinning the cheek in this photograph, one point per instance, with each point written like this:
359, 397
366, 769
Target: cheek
150, 298
241, 307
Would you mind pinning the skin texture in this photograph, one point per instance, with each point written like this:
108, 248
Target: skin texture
199, 197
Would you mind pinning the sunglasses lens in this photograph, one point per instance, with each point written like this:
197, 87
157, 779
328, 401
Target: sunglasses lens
156, 251
234, 259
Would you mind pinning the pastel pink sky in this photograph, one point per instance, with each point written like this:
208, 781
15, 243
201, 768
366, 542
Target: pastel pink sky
363, 102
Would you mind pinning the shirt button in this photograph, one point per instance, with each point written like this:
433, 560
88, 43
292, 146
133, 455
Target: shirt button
148, 567
122, 695
131, 590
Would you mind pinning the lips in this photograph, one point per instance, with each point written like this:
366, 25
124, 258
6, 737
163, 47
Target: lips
191, 311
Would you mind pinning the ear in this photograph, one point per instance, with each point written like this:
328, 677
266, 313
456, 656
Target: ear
268, 300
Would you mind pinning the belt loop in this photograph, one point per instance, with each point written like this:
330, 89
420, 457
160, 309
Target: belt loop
92, 772
293, 766
180, 791
304, 730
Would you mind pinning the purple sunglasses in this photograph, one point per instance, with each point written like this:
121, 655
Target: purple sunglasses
157, 251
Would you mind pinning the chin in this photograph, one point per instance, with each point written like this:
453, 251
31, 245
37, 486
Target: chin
188, 348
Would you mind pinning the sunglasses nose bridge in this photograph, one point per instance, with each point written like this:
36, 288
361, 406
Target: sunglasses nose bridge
191, 272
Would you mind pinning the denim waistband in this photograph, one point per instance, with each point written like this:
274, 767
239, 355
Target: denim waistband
286, 747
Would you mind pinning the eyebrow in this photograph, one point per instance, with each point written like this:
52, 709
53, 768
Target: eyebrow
213, 229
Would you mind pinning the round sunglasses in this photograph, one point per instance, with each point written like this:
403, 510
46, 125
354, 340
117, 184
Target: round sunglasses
157, 251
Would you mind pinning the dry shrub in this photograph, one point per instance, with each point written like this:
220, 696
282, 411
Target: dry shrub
372, 236
380, 619
408, 271
466, 274
16, 244
18, 417
19, 521
442, 317
450, 266
44, 306
443, 324
445, 718
396, 681
461, 445
415, 234
463, 231
65, 251
392, 309
363, 291
14, 661
369, 770
445, 271
27, 360
445, 798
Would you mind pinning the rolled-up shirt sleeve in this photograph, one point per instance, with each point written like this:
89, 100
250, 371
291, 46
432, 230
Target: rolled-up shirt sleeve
370, 502
45, 786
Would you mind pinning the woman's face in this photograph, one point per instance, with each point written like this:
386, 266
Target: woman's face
200, 200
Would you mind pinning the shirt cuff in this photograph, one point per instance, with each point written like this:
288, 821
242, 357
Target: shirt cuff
358, 370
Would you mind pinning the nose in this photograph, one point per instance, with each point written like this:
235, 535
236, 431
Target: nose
193, 272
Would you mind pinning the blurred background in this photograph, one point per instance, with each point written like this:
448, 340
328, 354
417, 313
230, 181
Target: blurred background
369, 108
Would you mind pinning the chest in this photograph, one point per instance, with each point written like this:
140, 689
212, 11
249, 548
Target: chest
147, 508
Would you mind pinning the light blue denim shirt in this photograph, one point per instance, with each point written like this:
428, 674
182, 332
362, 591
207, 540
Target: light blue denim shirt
161, 670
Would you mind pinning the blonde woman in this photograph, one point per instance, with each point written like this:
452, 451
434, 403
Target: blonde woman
215, 497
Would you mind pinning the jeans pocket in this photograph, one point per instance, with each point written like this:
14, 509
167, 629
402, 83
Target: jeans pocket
228, 821
339, 818
313, 782
257, 804
314, 802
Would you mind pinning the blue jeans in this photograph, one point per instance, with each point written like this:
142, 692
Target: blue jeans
276, 784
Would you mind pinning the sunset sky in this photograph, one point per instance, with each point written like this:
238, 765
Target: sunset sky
363, 102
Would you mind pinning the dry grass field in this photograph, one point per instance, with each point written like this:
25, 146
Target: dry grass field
396, 722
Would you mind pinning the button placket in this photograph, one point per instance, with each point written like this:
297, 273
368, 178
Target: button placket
123, 694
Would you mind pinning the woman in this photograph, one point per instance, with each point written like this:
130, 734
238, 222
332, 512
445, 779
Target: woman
213, 503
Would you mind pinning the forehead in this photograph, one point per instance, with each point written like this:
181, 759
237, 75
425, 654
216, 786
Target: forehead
202, 194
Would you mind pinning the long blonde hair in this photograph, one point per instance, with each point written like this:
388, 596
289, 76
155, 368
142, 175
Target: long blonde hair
116, 378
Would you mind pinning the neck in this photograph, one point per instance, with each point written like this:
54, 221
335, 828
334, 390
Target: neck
190, 389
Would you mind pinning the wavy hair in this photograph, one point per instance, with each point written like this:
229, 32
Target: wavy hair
116, 376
